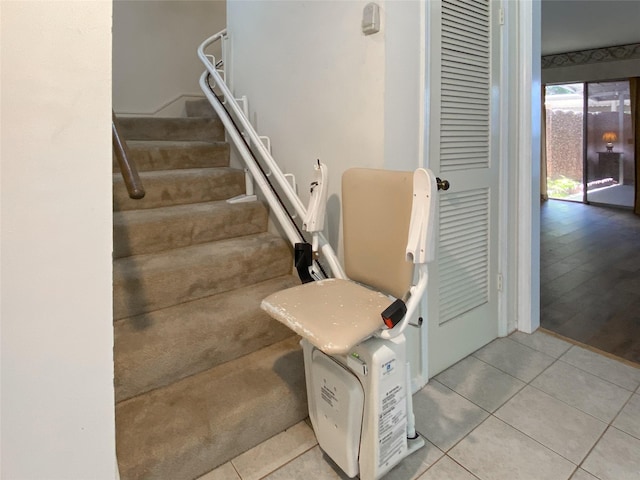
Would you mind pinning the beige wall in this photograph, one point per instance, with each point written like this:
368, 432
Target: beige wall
57, 336
155, 65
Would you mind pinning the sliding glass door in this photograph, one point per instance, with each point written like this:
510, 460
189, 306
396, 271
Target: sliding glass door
609, 146
564, 105
590, 143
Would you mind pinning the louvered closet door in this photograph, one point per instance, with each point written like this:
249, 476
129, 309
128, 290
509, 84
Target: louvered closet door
463, 298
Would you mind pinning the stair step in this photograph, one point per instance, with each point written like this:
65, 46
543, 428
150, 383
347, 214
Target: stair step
155, 349
144, 283
188, 428
180, 129
161, 155
154, 230
179, 187
199, 108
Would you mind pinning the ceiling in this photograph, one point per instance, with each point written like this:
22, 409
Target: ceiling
571, 25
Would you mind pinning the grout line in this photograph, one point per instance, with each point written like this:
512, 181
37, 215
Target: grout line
572, 406
574, 472
619, 412
607, 425
528, 384
555, 360
446, 452
235, 469
543, 331
530, 348
454, 461
479, 406
500, 370
467, 399
546, 447
596, 376
290, 460
624, 432
593, 447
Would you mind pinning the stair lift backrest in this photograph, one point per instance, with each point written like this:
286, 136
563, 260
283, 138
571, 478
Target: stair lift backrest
376, 207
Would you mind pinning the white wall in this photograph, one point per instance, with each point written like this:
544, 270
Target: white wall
57, 406
404, 85
155, 65
322, 89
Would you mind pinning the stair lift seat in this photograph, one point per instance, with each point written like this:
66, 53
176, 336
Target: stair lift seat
357, 375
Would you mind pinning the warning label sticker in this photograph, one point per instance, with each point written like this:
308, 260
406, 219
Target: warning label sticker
328, 395
392, 424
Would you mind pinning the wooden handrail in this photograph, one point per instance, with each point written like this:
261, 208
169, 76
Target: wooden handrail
127, 168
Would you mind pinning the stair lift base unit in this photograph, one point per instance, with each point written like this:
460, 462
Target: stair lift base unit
358, 406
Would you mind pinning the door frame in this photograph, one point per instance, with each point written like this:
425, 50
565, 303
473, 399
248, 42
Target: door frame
525, 212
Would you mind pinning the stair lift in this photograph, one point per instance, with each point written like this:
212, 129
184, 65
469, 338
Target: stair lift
356, 367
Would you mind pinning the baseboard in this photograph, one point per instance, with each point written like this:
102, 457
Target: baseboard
590, 348
174, 107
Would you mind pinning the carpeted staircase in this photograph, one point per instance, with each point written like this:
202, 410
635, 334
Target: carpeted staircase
201, 374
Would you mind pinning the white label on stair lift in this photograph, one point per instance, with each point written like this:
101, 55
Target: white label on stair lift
393, 423
328, 396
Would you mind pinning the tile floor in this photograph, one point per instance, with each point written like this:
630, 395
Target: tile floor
523, 407
590, 275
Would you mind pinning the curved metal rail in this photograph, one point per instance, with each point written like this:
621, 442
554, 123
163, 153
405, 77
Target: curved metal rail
254, 145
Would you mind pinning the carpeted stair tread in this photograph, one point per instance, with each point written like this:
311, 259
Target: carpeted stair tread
199, 108
181, 128
186, 429
201, 373
179, 187
144, 283
166, 155
155, 349
155, 230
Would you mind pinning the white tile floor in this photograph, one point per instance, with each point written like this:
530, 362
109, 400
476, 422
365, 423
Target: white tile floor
523, 407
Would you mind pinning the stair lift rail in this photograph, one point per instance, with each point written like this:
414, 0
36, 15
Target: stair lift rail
252, 139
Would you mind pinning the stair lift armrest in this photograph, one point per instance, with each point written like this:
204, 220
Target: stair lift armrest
420, 244
417, 292
314, 220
